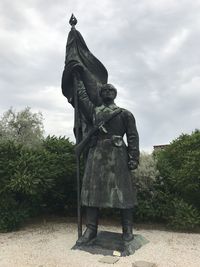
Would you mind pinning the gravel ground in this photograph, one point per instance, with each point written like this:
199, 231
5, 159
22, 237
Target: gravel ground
48, 244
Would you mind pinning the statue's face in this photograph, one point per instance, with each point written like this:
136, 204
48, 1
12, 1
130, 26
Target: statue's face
108, 94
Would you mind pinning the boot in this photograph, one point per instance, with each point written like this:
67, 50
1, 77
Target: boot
127, 224
91, 224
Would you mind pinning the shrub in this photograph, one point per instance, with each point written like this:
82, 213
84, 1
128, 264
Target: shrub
179, 165
12, 213
145, 177
42, 179
34, 181
179, 168
62, 196
146, 173
184, 216
162, 194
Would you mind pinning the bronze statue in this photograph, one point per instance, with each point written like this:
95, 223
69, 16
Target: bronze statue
107, 180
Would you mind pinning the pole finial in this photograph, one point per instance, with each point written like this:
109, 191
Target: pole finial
73, 21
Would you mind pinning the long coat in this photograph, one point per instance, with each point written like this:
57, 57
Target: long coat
107, 180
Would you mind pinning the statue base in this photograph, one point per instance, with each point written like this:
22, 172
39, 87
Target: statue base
110, 243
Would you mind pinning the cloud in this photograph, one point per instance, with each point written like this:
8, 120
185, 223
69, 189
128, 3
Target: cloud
150, 49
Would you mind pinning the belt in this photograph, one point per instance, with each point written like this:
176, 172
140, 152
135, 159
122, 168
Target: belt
116, 140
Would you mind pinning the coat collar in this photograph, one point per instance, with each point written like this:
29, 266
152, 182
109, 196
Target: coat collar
110, 107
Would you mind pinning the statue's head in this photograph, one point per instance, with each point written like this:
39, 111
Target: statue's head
108, 92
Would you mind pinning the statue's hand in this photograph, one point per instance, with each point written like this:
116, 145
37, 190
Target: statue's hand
132, 165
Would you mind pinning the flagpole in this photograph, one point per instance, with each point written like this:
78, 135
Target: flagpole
76, 115
73, 22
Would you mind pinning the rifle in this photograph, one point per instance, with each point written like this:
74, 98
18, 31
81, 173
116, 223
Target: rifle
80, 146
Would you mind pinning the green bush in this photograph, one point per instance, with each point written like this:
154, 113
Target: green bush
165, 207
25, 176
146, 173
145, 178
62, 196
35, 181
184, 216
154, 206
179, 168
12, 213
42, 179
166, 191
179, 165
37, 174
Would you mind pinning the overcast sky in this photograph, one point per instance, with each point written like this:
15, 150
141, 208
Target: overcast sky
151, 49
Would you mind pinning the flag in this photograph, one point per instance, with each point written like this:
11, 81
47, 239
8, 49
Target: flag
93, 73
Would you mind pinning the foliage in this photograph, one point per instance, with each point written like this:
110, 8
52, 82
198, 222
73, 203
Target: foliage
24, 170
34, 181
62, 196
170, 195
145, 177
184, 216
22, 127
25, 175
146, 173
179, 165
38, 175
12, 213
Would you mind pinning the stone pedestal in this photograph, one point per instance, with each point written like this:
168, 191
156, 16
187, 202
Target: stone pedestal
110, 243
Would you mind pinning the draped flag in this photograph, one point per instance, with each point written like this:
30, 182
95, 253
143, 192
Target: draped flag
92, 71
93, 74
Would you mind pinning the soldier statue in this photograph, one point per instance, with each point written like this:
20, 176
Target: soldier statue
107, 180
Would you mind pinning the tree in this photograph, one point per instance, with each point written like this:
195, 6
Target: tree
145, 178
179, 168
179, 165
23, 127
146, 172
